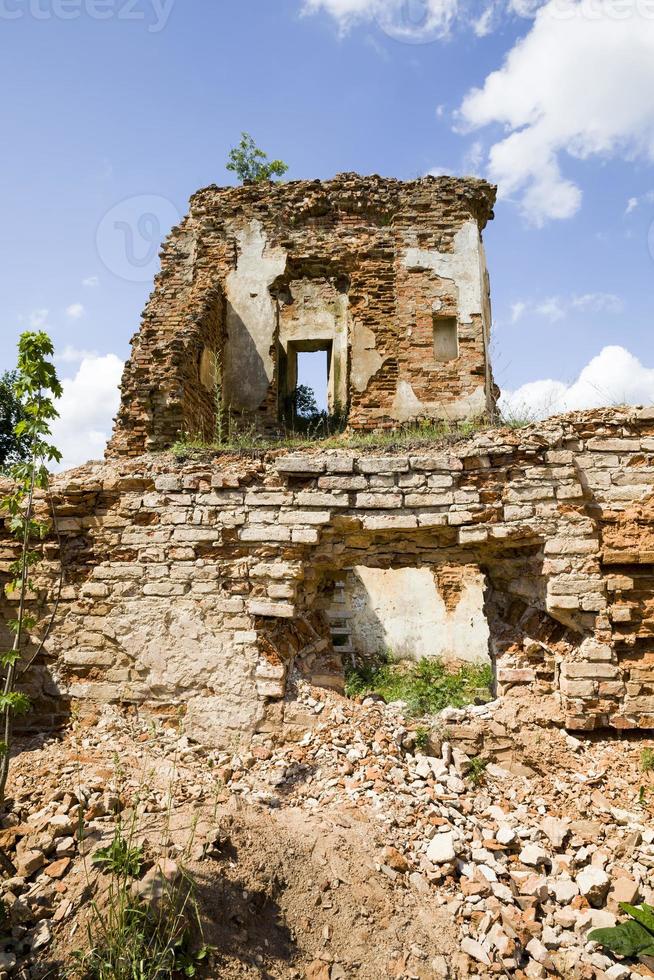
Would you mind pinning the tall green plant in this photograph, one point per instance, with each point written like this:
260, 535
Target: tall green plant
36, 386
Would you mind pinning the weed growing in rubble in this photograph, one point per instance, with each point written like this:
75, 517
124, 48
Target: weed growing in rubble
477, 770
142, 927
421, 737
633, 938
647, 760
426, 687
120, 857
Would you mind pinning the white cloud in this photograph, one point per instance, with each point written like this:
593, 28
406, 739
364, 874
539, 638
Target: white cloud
86, 409
429, 18
90, 282
598, 303
72, 355
632, 204
551, 309
75, 311
422, 20
38, 318
614, 377
557, 308
518, 310
543, 98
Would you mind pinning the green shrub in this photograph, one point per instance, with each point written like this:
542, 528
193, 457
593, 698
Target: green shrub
477, 770
427, 686
647, 760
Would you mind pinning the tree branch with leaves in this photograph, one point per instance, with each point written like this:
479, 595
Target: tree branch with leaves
251, 165
35, 387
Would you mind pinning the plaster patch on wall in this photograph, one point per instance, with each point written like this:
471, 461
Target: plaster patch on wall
366, 359
406, 405
460, 265
401, 611
249, 365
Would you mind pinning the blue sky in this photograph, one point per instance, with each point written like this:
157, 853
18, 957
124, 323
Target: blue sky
116, 109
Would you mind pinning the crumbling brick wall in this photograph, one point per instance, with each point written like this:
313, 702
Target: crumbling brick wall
369, 266
200, 583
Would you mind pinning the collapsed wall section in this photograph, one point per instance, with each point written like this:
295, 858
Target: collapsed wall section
201, 585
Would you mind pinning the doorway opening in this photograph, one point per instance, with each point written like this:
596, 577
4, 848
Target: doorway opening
306, 388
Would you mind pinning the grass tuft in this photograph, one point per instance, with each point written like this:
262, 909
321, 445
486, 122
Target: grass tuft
410, 435
427, 686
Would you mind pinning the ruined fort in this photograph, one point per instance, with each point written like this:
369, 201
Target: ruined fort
205, 582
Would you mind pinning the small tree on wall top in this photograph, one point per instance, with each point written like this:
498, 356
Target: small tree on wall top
251, 165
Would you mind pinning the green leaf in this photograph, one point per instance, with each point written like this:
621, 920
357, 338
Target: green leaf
628, 939
16, 702
9, 658
641, 913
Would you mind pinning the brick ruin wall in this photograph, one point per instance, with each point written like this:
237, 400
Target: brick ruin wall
361, 263
201, 585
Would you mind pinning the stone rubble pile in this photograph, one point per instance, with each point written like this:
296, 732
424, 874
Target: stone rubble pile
525, 864
65, 806
528, 866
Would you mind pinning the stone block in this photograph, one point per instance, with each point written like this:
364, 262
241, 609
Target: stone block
381, 501
611, 689
304, 517
314, 498
578, 688
266, 607
620, 613
571, 546
594, 671
389, 522
439, 481
305, 535
265, 533
516, 675
167, 481
473, 535
342, 483
429, 499
88, 658
443, 462
339, 464
195, 535
268, 499
600, 444
563, 602
300, 465
514, 512
164, 589
383, 464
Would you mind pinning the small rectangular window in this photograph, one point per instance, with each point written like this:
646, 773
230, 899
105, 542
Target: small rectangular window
446, 338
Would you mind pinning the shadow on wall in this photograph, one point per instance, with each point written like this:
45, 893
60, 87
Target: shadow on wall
413, 613
246, 381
